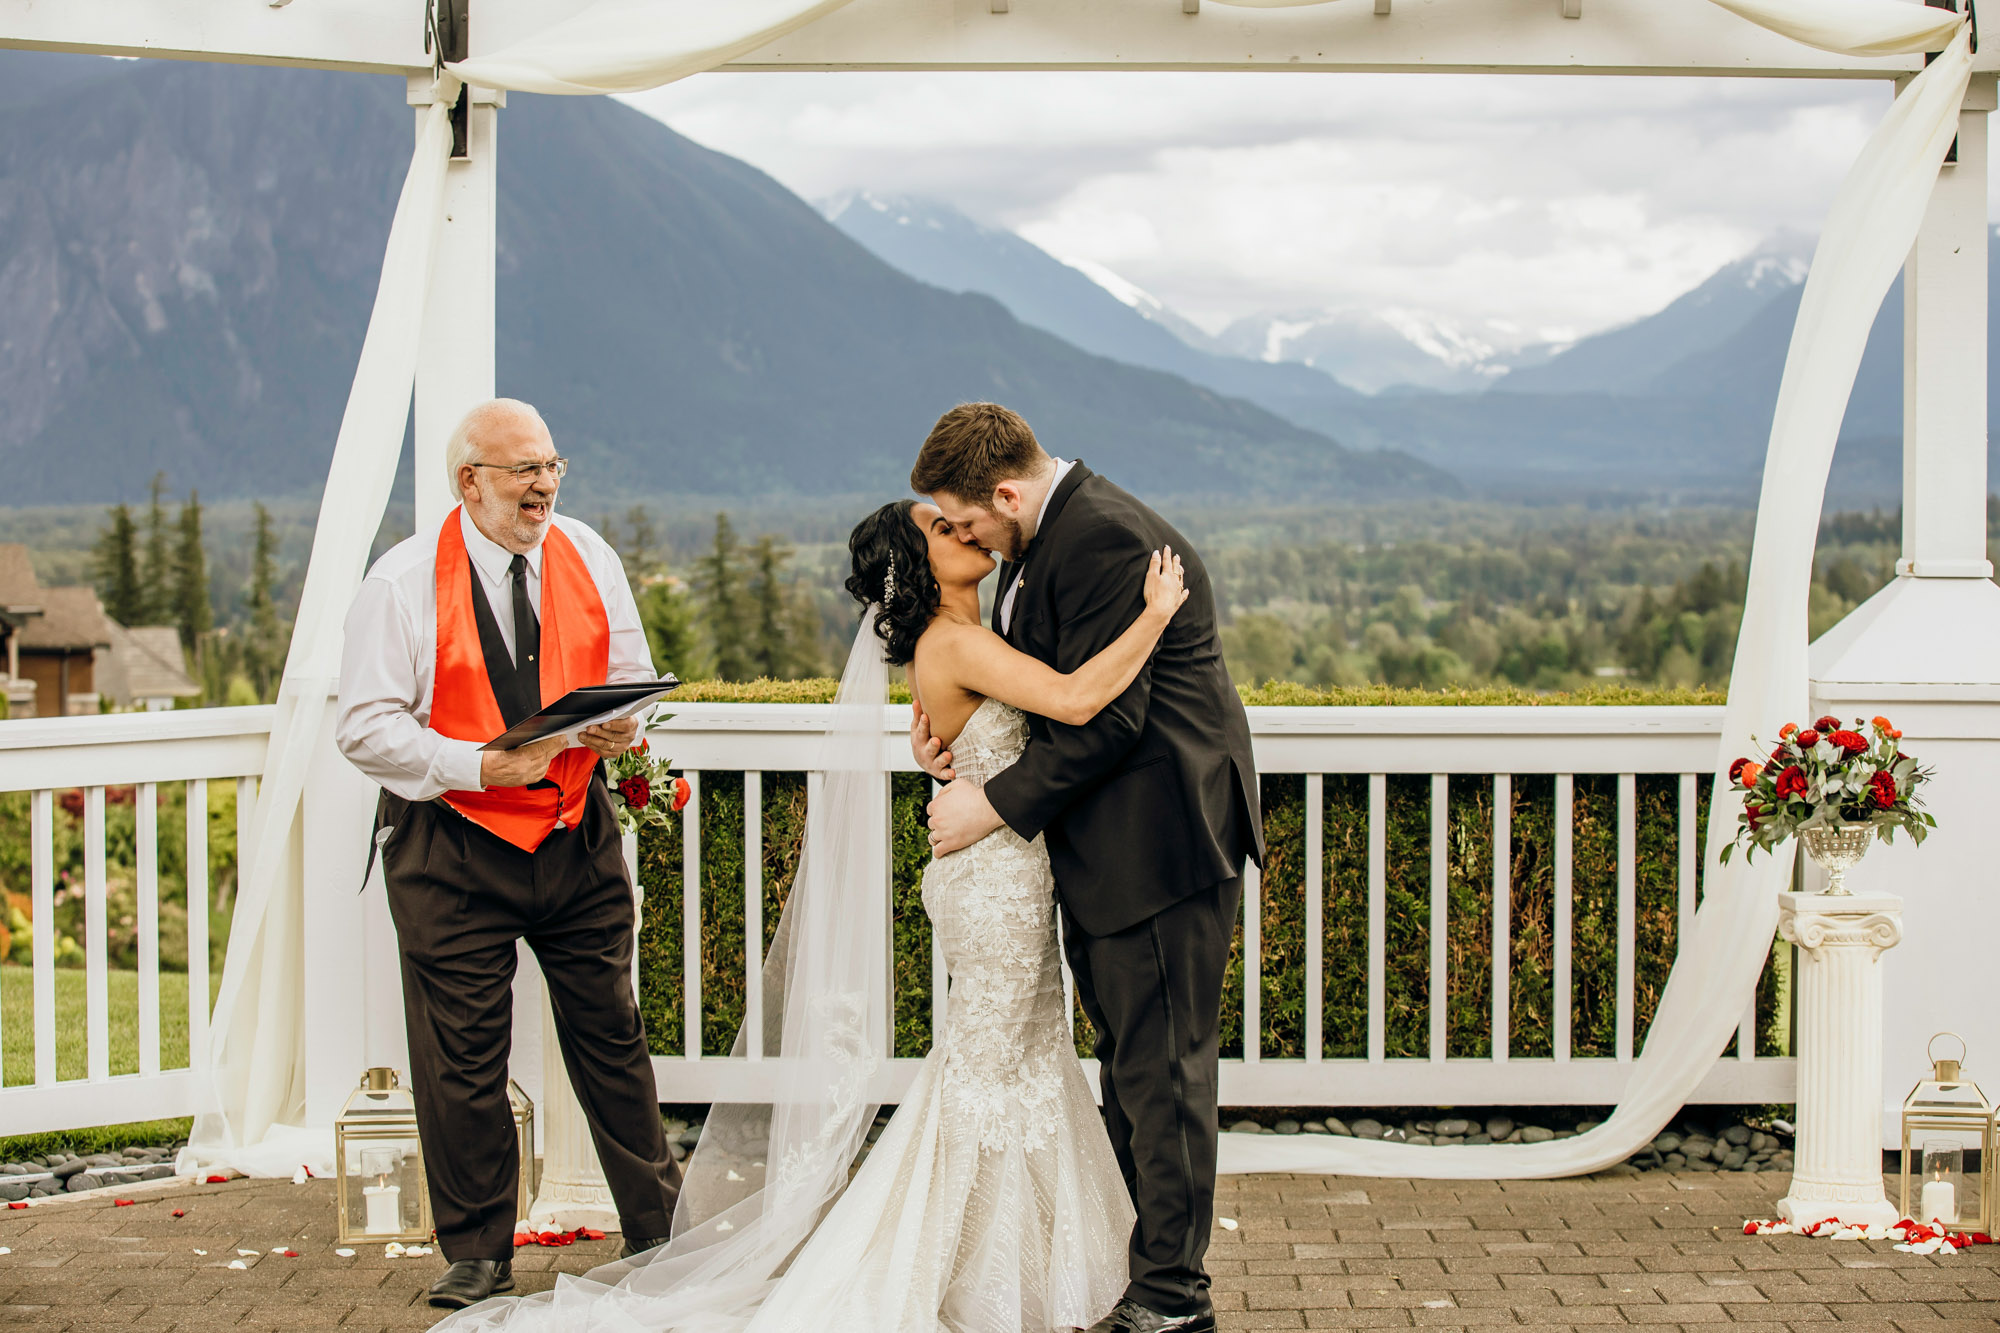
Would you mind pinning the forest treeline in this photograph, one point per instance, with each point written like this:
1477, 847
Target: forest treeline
1420, 597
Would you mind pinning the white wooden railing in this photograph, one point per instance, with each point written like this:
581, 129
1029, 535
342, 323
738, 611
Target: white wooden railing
45, 757
1449, 746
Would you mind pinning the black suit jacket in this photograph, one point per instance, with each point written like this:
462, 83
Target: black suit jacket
1155, 798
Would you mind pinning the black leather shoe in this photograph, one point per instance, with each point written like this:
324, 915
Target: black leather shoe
640, 1244
470, 1281
1128, 1316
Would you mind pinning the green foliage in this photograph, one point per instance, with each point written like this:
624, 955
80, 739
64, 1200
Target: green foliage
116, 561
725, 604
102, 1138
193, 611
265, 640
121, 1025
158, 572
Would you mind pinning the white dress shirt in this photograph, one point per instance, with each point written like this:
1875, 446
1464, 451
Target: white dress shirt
390, 657
1007, 597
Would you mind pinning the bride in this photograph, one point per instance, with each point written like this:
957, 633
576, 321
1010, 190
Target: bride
992, 1202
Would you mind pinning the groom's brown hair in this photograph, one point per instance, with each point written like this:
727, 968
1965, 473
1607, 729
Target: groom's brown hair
972, 449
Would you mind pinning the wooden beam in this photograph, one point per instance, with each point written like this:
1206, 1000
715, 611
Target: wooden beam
1647, 37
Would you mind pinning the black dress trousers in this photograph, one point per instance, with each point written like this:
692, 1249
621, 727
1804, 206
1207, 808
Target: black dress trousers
1154, 993
460, 898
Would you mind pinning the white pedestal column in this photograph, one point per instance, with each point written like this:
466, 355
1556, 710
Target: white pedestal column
1839, 1167
573, 1192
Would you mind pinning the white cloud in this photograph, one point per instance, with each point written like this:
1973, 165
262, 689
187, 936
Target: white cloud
1544, 203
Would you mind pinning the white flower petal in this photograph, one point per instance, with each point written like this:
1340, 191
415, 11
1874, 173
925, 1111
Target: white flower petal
345, 1254
249, 1254
1226, 1223
725, 1226
301, 1176
733, 1176
201, 1251
238, 1263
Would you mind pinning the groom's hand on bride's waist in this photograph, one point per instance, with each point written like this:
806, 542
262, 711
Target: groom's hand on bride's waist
960, 815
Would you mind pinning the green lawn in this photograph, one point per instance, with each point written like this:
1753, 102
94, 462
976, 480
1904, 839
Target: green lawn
17, 1022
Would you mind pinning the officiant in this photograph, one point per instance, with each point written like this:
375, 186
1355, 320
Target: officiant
455, 635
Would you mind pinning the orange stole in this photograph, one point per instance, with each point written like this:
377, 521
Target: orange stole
576, 651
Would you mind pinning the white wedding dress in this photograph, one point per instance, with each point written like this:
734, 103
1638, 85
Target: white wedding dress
992, 1202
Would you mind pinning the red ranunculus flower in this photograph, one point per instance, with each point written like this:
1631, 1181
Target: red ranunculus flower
1808, 738
1753, 813
1850, 741
1828, 723
1882, 789
681, 793
638, 793
1792, 782
1736, 769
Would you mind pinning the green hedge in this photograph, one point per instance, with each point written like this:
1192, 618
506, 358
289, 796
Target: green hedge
1468, 926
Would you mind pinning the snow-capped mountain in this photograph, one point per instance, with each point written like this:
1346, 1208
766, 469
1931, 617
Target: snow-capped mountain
1629, 359
1387, 348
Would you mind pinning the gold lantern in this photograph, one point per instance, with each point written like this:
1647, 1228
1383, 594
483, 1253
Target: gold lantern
383, 1195
524, 1134
1944, 1115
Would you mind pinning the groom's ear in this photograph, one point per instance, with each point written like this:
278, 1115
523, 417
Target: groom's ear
1007, 497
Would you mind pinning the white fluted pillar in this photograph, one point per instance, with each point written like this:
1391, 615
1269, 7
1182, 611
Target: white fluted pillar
573, 1192
1841, 940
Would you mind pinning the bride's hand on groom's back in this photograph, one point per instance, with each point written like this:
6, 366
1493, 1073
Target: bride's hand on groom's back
926, 749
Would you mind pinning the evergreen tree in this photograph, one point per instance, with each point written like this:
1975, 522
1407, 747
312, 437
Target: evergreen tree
264, 652
191, 609
724, 604
157, 574
668, 613
771, 640
642, 552
118, 582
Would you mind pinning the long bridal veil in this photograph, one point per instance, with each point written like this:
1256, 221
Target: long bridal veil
767, 1171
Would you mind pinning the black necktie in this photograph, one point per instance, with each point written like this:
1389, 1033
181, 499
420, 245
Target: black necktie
527, 629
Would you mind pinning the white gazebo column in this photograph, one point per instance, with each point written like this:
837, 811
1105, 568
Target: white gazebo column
455, 363
573, 1192
1925, 651
1840, 942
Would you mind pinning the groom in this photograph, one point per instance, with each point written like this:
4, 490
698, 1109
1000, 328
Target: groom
1149, 811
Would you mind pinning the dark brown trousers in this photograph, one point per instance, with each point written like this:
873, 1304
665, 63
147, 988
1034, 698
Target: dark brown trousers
460, 898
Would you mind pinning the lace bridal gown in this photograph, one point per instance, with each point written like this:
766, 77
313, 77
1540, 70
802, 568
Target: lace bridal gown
992, 1202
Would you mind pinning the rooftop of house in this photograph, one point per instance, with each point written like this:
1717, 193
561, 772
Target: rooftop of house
20, 592
146, 663
72, 619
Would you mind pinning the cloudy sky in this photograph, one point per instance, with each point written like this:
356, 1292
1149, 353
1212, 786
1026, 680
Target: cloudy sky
1557, 205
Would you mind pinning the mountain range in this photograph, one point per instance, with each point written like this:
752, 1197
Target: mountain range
188, 254
1672, 406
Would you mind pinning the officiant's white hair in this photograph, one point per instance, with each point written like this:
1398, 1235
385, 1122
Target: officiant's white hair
463, 446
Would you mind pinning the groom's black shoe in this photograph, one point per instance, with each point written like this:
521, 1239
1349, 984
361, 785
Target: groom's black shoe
470, 1281
1128, 1316
640, 1244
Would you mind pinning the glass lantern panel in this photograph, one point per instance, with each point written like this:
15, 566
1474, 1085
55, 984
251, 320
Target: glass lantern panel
384, 1187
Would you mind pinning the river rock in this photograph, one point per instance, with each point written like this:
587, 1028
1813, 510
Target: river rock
84, 1181
1737, 1136
1667, 1142
1675, 1161
1536, 1134
1367, 1129
1420, 1127
1498, 1128
65, 1170
1700, 1164
13, 1191
1424, 1139
1477, 1140
156, 1171
1454, 1128
1448, 1140
1287, 1126
1334, 1126
1737, 1157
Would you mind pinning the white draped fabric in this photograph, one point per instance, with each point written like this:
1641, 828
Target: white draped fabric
1868, 233
625, 46
255, 1095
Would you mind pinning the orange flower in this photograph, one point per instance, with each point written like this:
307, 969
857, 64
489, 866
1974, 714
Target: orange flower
1882, 724
1789, 730
1748, 777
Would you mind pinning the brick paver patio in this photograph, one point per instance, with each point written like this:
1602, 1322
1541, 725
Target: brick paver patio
1661, 1250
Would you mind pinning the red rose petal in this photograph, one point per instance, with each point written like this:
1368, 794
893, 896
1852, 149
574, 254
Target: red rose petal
17, 1205
121, 1203
180, 1212
216, 1180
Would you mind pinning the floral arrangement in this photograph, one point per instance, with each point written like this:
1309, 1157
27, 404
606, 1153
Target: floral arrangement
646, 793
1829, 776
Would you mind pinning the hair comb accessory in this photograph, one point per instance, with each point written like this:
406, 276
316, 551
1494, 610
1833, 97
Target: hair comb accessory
889, 580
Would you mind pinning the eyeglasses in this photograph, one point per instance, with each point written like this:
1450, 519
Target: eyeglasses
556, 469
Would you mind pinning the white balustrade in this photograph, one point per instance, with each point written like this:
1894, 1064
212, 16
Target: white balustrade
1445, 746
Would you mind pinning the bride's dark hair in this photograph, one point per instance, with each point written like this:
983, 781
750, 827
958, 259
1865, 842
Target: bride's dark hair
888, 541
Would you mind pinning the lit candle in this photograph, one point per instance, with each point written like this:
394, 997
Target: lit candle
1939, 1203
385, 1207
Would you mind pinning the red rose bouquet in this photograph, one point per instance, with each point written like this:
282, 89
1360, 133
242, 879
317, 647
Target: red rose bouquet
642, 791
1829, 776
